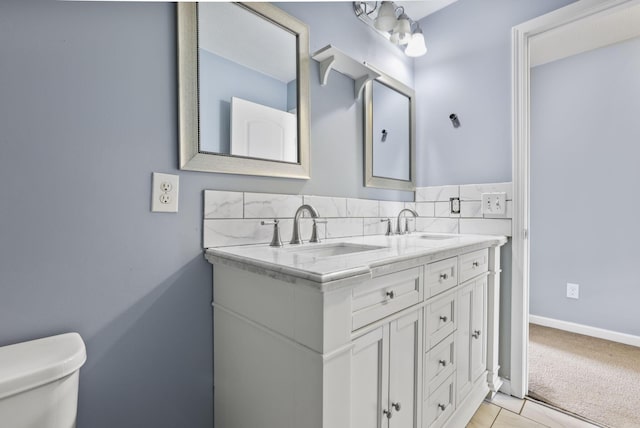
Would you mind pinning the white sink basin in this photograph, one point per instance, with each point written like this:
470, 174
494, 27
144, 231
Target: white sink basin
329, 250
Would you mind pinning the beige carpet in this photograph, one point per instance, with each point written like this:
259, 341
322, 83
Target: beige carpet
593, 378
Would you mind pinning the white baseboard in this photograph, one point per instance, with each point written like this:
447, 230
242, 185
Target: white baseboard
600, 333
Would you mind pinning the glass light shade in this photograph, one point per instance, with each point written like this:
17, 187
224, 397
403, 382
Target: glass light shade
416, 46
403, 29
386, 19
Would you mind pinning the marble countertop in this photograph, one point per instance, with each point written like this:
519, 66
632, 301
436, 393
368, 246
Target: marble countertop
292, 262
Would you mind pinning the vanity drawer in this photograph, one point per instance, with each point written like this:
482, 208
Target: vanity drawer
440, 276
473, 264
385, 295
439, 404
439, 362
440, 319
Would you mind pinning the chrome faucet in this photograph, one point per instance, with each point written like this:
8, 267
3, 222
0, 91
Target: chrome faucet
295, 236
406, 225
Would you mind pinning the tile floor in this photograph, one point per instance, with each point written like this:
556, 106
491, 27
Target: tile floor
505, 411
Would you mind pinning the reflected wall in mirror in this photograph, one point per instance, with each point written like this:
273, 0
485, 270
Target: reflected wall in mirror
243, 83
389, 134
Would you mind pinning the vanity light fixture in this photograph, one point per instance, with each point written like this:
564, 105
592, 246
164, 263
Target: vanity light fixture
392, 23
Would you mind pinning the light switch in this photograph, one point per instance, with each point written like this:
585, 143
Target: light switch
494, 203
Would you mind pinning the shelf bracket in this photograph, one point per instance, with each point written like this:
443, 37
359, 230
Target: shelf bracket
325, 68
360, 83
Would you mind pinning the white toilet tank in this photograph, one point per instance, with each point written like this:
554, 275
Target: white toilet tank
39, 382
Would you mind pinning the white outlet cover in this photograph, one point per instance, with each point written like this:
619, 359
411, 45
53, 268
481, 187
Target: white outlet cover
164, 193
573, 290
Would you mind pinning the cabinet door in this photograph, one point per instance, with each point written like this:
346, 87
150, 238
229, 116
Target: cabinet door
479, 328
370, 379
471, 341
463, 342
405, 365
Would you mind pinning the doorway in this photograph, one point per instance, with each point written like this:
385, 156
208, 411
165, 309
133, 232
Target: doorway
575, 29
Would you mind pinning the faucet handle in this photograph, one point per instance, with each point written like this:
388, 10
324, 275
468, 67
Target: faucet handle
314, 230
388, 220
406, 224
275, 240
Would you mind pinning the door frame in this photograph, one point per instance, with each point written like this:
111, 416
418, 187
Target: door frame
523, 42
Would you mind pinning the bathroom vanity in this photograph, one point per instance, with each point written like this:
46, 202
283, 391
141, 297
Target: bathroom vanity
379, 331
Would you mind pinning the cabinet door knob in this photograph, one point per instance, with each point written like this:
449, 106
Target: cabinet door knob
396, 406
475, 264
444, 276
443, 318
442, 406
391, 294
443, 363
387, 413
476, 334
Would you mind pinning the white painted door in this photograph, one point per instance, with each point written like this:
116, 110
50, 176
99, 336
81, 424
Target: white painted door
263, 132
404, 371
370, 379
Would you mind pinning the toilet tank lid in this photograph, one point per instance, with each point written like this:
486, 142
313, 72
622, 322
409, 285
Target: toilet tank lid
34, 363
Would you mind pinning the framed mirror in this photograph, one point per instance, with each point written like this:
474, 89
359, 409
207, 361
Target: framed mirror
243, 83
389, 134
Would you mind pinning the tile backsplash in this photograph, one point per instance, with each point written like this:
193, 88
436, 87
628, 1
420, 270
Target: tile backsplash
233, 218
470, 220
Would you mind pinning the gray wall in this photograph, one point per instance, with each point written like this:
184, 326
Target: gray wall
585, 176
88, 102
467, 71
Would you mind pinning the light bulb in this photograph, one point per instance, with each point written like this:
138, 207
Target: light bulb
403, 29
416, 46
386, 19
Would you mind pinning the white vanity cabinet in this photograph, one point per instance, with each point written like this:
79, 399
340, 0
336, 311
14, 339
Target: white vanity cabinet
404, 344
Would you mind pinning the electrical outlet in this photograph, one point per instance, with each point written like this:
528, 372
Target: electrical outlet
164, 193
455, 205
494, 203
573, 291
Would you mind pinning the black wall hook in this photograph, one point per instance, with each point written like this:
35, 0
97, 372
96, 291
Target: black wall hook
454, 120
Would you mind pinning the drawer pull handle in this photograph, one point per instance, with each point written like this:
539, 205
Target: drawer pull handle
443, 318
475, 264
476, 334
443, 363
396, 406
442, 406
444, 276
387, 413
391, 294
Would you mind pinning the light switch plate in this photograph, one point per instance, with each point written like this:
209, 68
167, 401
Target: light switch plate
164, 193
494, 203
